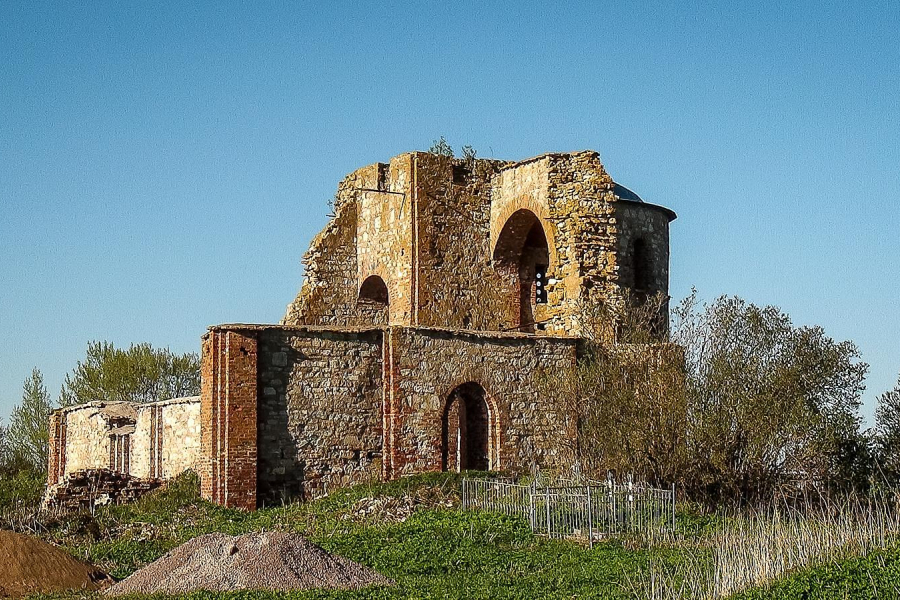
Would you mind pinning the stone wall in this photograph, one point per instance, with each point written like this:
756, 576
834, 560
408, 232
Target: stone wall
338, 406
526, 428
154, 440
650, 224
329, 292
384, 233
319, 415
449, 238
456, 285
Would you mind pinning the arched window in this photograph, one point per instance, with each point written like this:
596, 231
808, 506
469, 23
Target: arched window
374, 291
640, 257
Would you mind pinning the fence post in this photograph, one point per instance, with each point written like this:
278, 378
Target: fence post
673, 506
547, 503
615, 507
464, 494
531, 507
590, 516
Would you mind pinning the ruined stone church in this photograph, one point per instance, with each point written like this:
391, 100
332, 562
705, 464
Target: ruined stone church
439, 294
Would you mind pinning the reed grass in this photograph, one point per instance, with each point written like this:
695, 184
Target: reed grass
755, 548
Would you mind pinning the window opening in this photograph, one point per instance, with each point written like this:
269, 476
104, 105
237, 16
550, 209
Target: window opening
641, 265
540, 284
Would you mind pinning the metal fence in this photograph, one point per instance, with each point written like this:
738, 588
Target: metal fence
568, 509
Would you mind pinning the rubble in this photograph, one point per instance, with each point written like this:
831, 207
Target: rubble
89, 488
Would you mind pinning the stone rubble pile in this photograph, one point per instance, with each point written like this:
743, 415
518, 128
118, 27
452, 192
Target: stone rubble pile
86, 489
389, 509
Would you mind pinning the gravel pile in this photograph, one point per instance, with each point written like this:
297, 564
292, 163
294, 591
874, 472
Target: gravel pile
29, 565
255, 561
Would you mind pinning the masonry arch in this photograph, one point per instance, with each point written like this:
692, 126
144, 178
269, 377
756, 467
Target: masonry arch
522, 256
374, 290
374, 301
469, 430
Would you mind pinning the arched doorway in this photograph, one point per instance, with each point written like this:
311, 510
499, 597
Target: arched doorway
522, 257
467, 430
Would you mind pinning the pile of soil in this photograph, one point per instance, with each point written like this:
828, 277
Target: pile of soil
29, 565
255, 561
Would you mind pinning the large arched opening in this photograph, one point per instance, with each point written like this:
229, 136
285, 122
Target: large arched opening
522, 257
468, 431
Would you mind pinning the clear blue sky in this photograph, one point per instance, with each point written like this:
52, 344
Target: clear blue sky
164, 168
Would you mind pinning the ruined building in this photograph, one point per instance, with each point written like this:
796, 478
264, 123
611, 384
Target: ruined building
435, 300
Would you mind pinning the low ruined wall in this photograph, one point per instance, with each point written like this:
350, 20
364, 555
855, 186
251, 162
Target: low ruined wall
154, 440
88, 488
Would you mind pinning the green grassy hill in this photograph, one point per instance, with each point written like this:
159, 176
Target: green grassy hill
412, 531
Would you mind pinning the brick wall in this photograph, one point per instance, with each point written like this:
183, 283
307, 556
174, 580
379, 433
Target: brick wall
56, 449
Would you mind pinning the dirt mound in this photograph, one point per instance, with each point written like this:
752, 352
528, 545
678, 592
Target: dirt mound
29, 565
271, 561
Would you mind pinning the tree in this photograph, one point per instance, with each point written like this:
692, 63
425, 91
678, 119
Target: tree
738, 406
887, 435
138, 374
27, 436
626, 392
769, 405
4, 448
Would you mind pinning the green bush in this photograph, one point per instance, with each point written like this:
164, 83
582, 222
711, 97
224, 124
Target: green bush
21, 490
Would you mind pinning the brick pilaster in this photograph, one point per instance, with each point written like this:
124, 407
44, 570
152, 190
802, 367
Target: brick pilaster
53, 464
395, 456
228, 407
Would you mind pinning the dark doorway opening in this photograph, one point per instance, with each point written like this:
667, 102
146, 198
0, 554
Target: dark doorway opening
466, 430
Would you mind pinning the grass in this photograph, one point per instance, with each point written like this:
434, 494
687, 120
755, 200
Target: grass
875, 575
753, 549
411, 531
417, 538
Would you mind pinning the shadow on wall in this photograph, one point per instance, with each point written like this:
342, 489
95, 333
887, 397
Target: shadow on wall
319, 416
280, 473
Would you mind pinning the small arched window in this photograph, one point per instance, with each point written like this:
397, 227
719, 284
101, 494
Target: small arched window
374, 291
640, 257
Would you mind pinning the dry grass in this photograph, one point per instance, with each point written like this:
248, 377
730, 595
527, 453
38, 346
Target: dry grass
756, 548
